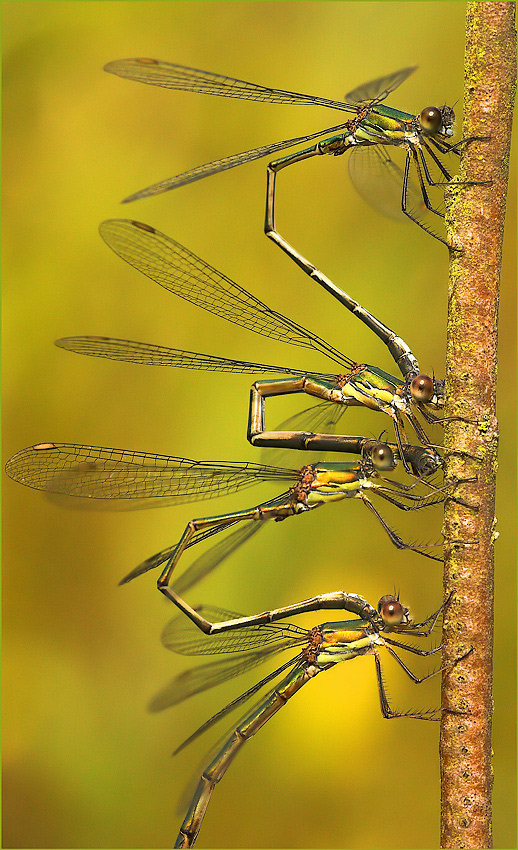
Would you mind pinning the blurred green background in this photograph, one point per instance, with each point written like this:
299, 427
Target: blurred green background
84, 764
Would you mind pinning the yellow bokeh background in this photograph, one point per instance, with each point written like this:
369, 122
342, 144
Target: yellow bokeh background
84, 764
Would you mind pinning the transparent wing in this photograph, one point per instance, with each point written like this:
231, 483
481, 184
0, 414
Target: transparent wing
378, 90
171, 76
379, 181
318, 417
180, 635
211, 559
321, 418
105, 473
175, 268
158, 355
253, 644
218, 165
293, 662
200, 679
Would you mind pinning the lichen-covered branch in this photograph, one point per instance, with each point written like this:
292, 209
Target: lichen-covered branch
475, 218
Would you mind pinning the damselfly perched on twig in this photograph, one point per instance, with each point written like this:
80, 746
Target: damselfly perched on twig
256, 639
140, 478
373, 129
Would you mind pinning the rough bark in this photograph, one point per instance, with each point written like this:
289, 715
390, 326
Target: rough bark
475, 218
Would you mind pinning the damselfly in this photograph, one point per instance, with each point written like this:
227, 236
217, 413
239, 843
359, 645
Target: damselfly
178, 270
139, 478
374, 127
417, 457
319, 649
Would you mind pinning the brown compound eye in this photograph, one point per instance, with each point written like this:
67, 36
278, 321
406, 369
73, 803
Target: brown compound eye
430, 119
391, 610
383, 457
422, 388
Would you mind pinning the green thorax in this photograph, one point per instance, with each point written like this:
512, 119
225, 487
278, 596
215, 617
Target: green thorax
392, 124
336, 466
379, 379
344, 640
343, 626
390, 112
333, 482
371, 386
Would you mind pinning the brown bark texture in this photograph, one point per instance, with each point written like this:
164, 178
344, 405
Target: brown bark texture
475, 219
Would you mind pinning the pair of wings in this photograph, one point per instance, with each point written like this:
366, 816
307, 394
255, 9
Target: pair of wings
181, 77
374, 175
104, 473
181, 272
248, 648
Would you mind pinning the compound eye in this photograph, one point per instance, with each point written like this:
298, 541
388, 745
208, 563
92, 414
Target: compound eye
383, 457
430, 119
422, 388
391, 611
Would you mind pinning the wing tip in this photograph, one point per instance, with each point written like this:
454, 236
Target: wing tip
120, 66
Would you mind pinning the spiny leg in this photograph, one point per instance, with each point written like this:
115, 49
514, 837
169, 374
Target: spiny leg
462, 454
399, 431
405, 488
456, 453
444, 172
446, 147
387, 712
426, 199
421, 434
395, 538
404, 194
420, 479
423, 501
390, 495
414, 649
432, 419
415, 678
424, 628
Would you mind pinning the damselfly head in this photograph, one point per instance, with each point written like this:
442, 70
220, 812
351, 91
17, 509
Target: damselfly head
426, 390
422, 388
437, 122
383, 458
392, 612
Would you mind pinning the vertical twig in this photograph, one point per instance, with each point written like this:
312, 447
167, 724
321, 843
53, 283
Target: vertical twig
476, 221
